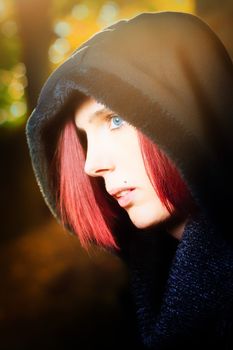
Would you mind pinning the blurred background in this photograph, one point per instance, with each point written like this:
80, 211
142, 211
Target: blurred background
53, 294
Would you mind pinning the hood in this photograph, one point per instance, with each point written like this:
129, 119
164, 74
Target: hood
166, 73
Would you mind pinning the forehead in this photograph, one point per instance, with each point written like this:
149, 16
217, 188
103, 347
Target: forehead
88, 111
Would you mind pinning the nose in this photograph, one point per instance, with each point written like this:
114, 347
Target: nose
98, 161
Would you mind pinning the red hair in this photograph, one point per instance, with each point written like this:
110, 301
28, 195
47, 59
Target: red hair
82, 201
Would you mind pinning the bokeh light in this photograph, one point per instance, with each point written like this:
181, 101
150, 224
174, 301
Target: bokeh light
62, 28
12, 88
18, 109
58, 50
80, 12
108, 13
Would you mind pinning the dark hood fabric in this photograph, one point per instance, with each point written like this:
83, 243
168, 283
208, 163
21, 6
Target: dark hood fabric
168, 74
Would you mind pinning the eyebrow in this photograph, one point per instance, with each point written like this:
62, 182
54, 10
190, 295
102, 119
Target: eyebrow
101, 112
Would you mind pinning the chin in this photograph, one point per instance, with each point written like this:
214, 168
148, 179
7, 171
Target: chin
144, 219
145, 223
148, 215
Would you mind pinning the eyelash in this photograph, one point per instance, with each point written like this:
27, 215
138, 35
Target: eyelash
82, 135
111, 118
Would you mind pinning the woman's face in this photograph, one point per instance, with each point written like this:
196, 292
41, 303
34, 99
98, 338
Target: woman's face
113, 152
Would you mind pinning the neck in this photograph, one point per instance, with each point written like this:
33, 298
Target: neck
175, 227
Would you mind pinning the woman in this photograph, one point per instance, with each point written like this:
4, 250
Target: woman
131, 144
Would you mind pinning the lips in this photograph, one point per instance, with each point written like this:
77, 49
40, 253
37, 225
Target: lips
123, 195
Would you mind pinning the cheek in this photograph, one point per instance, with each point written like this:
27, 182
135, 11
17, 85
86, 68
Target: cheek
131, 151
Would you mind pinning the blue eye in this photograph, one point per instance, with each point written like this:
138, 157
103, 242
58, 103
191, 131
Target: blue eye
116, 122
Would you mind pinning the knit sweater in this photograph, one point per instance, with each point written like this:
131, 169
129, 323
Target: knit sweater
183, 290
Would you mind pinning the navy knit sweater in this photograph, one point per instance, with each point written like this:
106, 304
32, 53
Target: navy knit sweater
183, 290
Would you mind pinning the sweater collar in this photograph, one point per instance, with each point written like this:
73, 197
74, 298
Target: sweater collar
197, 289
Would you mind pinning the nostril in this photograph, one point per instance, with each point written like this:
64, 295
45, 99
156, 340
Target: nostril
95, 171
